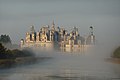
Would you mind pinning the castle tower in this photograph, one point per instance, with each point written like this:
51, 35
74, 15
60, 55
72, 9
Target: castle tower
51, 36
21, 43
27, 37
32, 29
76, 32
46, 38
91, 30
91, 38
33, 36
92, 35
53, 26
38, 37
65, 35
33, 33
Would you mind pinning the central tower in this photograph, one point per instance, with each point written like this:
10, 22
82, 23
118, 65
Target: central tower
53, 26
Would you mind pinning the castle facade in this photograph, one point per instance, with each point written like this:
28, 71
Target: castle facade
49, 37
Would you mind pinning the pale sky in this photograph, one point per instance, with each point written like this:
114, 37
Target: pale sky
17, 15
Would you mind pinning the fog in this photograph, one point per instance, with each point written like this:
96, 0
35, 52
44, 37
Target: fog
16, 17
89, 64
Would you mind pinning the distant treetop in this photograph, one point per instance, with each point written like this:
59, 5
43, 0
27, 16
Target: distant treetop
5, 39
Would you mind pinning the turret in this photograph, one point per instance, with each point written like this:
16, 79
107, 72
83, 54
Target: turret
91, 30
21, 43
38, 36
76, 32
71, 34
32, 29
92, 35
33, 36
91, 38
51, 36
27, 37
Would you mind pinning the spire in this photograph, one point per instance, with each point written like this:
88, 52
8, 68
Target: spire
32, 29
91, 30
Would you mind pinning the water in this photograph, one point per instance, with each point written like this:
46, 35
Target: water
87, 65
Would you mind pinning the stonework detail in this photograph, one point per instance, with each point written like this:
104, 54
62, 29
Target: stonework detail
50, 36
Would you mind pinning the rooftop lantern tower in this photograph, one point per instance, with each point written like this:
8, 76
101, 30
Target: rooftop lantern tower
53, 26
33, 34
91, 30
32, 29
92, 36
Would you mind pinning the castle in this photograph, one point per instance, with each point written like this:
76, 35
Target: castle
49, 37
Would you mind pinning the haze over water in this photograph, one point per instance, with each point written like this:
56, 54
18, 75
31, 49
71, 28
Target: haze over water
16, 17
90, 64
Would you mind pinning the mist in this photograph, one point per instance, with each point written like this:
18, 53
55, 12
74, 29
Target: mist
16, 17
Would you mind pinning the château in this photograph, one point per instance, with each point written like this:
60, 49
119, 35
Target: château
50, 36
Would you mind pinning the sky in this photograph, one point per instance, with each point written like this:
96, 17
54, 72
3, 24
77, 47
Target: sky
16, 17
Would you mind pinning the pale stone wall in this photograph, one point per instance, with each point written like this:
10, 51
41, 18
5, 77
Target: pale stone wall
47, 44
46, 37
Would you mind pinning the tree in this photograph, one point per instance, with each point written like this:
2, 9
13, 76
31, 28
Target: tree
2, 49
5, 39
116, 53
12, 54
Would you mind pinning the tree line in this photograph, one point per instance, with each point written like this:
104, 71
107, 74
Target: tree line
4, 39
11, 54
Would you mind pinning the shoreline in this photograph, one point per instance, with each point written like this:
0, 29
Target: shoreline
113, 60
10, 63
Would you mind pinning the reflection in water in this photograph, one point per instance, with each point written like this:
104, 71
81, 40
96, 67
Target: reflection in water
82, 49
88, 65
63, 76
